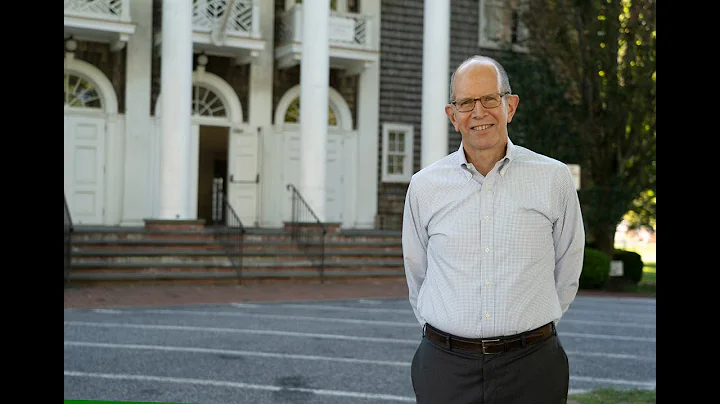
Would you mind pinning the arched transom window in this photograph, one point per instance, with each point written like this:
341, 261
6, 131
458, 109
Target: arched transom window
80, 92
207, 102
293, 113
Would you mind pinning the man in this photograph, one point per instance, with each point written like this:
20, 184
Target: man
493, 244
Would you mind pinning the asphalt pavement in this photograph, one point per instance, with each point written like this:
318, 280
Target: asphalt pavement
316, 351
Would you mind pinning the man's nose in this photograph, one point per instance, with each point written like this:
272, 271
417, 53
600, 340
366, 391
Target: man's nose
478, 109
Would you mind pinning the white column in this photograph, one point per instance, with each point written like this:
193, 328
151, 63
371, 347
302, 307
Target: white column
260, 108
435, 81
137, 189
176, 90
368, 99
314, 81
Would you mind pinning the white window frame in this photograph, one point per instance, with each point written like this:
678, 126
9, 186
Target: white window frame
502, 17
409, 131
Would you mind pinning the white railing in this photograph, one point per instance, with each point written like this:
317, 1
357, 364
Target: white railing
243, 19
350, 30
111, 10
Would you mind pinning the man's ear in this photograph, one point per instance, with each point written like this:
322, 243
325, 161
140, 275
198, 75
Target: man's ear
451, 116
513, 101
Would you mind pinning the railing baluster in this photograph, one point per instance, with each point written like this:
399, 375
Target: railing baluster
308, 231
232, 233
68, 242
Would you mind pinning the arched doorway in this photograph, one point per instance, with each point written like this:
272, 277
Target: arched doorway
287, 117
89, 101
223, 150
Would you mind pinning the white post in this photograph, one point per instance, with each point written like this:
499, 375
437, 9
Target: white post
314, 82
367, 126
435, 81
176, 89
139, 128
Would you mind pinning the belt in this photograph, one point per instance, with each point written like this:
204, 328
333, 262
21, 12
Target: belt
491, 345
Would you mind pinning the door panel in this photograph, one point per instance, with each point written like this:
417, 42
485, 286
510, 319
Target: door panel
333, 175
84, 168
242, 187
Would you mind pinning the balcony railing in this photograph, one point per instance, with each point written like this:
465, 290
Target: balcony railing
211, 15
348, 30
109, 10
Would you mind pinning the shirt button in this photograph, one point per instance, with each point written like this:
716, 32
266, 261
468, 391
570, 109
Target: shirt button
487, 282
487, 217
487, 249
487, 315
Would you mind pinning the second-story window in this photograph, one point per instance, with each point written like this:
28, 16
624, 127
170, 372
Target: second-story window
501, 25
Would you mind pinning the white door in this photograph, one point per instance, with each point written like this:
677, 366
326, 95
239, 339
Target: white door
334, 179
333, 175
242, 184
84, 169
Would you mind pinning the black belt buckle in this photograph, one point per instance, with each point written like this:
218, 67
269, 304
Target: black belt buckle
484, 351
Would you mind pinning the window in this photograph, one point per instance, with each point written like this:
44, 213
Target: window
80, 92
293, 113
397, 155
501, 25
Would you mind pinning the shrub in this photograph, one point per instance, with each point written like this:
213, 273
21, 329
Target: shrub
632, 264
595, 270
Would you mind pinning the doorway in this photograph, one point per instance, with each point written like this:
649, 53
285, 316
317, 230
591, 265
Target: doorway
212, 172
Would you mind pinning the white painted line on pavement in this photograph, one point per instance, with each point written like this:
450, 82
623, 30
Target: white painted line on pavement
572, 311
234, 353
607, 323
611, 355
220, 383
564, 334
339, 308
413, 324
645, 385
315, 335
306, 357
239, 330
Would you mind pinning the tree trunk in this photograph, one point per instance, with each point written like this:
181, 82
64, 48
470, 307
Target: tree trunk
604, 240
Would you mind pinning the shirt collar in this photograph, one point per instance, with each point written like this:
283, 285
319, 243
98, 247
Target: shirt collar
510, 153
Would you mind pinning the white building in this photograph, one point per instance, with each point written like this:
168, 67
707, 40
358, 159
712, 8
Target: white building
165, 97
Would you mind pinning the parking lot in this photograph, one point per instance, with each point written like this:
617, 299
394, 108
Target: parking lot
332, 351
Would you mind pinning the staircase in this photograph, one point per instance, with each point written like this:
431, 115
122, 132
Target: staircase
115, 255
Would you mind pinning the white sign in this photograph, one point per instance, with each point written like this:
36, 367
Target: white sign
616, 268
575, 171
341, 29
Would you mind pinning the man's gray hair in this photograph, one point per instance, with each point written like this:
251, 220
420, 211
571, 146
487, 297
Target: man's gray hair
503, 80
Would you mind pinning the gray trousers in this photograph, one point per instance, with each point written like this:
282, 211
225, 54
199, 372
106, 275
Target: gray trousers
535, 374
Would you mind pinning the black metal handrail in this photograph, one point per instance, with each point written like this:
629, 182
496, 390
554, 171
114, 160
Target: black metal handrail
231, 232
308, 231
68, 242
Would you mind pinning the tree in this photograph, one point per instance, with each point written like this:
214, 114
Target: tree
595, 60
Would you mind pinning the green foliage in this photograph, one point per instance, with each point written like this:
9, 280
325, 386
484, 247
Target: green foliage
588, 96
642, 213
632, 264
596, 269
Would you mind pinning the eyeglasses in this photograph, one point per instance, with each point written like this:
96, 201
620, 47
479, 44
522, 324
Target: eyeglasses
487, 101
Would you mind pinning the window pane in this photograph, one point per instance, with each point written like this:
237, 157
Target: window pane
391, 165
80, 93
399, 160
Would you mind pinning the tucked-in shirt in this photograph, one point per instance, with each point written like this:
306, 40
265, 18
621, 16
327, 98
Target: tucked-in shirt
492, 255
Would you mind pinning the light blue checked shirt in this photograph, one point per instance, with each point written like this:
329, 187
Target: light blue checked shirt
495, 255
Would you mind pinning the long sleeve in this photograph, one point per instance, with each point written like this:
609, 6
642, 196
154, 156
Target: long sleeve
414, 247
569, 239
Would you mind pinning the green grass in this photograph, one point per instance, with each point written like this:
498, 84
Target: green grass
610, 396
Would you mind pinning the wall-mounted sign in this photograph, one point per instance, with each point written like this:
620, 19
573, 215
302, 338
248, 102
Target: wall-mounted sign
575, 171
